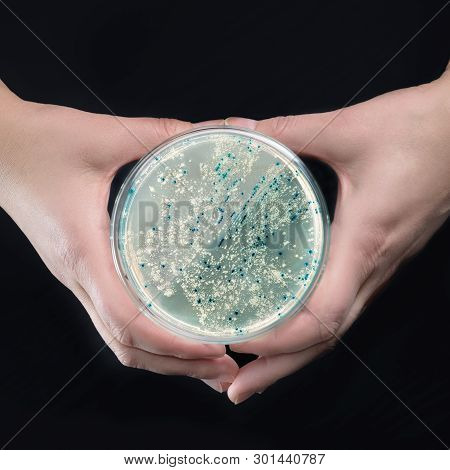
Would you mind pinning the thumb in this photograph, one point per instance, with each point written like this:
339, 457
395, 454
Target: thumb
315, 135
127, 139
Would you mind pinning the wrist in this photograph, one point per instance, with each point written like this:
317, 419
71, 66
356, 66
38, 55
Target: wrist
14, 113
438, 93
8, 102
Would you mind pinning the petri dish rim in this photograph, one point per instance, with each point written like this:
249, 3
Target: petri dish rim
121, 267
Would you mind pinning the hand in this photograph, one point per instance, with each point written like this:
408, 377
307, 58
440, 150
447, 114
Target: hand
392, 158
56, 167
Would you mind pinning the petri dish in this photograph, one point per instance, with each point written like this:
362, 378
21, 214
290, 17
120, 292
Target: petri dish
220, 234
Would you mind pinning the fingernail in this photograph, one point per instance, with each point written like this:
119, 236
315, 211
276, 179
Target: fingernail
238, 398
241, 398
212, 122
214, 384
240, 122
217, 385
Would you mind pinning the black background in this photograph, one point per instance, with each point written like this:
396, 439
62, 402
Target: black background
202, 61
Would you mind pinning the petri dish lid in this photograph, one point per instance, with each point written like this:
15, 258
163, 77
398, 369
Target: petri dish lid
220, 234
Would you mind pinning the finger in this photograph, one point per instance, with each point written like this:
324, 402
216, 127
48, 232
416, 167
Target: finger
319, 135
217, 385
220, 370
120, 140
212, 122
327, 307
259, 374
118, 312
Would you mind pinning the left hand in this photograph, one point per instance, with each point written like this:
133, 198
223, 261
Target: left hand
392, 158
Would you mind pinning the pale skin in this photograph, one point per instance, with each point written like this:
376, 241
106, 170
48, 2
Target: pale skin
56, 167
392, 158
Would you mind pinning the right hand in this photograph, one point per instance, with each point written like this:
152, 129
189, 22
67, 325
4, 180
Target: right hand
56, 167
